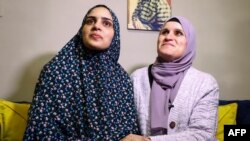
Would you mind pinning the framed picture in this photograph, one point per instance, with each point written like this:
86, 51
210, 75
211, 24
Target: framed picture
1, 8
148, 14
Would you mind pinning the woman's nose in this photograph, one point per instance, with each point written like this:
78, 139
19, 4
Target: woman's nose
97, 25
170, 35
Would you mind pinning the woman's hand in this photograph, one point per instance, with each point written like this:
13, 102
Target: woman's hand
133, 137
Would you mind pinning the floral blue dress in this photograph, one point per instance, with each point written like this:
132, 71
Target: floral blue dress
83, 95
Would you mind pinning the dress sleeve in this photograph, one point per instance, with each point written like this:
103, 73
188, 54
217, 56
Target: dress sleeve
50, 117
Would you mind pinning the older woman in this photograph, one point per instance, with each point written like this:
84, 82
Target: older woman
174, 100
83, 93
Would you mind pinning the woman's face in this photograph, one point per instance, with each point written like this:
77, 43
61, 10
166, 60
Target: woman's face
172, 41
98, 30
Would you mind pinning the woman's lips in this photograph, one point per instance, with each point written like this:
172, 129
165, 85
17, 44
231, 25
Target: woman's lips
167, 44
95, 36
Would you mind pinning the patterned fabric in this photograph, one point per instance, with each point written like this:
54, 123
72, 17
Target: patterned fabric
83, 95
152, 13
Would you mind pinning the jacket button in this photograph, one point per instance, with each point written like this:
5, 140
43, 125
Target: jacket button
172, 124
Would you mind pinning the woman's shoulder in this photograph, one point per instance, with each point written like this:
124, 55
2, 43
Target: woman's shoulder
140, 72
194, 74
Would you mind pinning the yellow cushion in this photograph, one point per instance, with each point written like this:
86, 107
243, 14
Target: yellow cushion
13, 120
226, 116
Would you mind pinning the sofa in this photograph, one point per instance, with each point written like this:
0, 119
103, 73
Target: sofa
13, 120
243, 110
13, 117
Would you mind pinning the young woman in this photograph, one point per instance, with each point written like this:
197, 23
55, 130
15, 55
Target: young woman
83, 93
175, 101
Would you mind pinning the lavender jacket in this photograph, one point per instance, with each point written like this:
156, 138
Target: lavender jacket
194, 115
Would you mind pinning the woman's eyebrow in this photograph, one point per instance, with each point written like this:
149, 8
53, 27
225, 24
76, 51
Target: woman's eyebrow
179, 29
91, 17
103, 18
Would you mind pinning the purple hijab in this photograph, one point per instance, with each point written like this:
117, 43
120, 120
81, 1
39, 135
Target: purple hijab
167, 78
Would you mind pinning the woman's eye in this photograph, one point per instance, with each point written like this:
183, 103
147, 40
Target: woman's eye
165, 31
179, 33
89, 21
107, 24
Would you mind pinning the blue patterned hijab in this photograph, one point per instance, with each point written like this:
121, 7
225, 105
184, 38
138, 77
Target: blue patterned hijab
83, 95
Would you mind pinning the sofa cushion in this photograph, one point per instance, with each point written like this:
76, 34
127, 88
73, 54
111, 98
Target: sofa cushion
13, 120
243, 112
226, 116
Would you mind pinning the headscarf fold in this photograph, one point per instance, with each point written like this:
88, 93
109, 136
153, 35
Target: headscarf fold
167, 78
83, 95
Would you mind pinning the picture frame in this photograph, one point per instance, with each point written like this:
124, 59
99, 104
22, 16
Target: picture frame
1, 8
148, 14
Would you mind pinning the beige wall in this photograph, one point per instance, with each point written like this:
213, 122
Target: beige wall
32, 31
